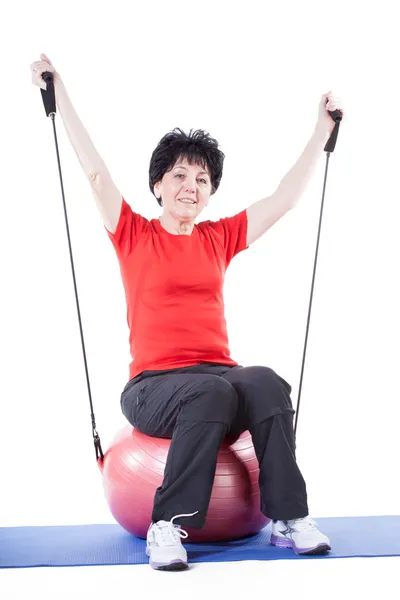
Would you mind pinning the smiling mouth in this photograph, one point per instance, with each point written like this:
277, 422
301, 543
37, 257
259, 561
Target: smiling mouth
183, 201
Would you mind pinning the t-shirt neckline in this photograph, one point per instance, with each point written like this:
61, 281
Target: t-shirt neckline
162, 229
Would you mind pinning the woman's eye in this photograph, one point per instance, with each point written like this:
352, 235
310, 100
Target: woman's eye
181, 175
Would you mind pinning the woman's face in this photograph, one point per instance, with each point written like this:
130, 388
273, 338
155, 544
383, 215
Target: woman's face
185, 190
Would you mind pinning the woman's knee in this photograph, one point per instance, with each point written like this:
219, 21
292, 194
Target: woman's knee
268, 378
209, 398
264, 392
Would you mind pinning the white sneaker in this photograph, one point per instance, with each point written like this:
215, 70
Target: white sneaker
164, 547
301, 535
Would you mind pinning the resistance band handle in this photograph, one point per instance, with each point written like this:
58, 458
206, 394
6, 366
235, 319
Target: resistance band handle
48, 95
336, 116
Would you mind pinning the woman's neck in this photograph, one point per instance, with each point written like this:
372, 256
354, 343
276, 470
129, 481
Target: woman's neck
175, 226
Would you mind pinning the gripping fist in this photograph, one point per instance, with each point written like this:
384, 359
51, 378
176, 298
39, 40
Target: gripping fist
38, 68
328, 102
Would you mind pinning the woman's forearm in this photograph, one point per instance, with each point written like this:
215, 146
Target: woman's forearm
89, 158
297, 178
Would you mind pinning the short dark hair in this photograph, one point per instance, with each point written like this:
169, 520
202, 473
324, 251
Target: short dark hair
197, 147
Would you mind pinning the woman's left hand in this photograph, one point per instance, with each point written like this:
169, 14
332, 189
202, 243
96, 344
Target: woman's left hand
328, 102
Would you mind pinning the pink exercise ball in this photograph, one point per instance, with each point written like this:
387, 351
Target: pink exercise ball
133, 468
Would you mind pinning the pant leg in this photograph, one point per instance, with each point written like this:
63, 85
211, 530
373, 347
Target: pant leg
196, 411
266, 411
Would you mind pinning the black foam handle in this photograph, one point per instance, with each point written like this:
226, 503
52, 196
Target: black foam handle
48, 95
47, 76
336, 116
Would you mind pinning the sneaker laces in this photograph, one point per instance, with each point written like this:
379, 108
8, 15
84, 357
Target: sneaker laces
304, 524
169, 533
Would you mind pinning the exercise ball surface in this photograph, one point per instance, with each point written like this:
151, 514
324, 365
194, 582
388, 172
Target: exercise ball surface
133, 468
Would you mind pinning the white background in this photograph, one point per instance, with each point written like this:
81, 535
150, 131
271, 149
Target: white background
251, 74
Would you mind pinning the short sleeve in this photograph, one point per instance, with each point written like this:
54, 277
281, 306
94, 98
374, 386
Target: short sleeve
130, 227
232, 231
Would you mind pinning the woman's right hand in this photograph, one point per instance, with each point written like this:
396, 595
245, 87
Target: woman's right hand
38, 68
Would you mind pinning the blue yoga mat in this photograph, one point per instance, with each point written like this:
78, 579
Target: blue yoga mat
110, 545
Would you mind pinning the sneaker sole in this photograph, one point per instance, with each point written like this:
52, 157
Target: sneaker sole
176, 565
322, 548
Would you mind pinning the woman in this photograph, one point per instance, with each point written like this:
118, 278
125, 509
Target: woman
183, 383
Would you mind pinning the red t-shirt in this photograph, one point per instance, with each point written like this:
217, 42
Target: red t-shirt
173, 288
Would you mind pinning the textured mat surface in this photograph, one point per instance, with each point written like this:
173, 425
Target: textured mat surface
110, 545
